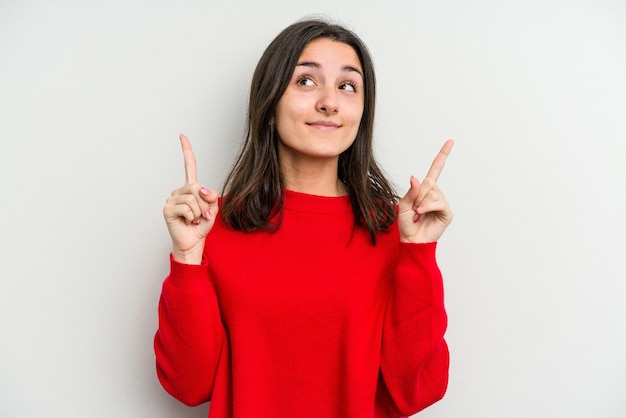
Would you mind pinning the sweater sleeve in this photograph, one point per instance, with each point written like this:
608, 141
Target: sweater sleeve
190, 339
414, 357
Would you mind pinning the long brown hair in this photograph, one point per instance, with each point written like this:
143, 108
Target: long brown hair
253, 191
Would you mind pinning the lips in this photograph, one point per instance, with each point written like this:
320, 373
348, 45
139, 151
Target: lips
324, 125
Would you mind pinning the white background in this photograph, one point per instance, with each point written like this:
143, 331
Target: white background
94, 94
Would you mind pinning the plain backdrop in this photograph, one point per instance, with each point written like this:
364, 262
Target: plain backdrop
93, 95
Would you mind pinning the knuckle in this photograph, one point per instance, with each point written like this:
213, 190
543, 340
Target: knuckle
187, 214
178, 192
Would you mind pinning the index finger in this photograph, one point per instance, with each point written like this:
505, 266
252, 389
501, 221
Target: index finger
190, 160
440, 160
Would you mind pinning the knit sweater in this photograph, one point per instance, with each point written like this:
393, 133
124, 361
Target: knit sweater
310, 320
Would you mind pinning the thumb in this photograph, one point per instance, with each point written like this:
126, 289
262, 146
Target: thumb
412, 194
212, 199
205, 224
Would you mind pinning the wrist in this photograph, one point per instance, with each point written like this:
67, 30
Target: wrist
416, 240
192, 256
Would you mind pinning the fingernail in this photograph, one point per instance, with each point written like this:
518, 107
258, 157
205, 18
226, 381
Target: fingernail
196, 223
207, 215
416, 219
204, 191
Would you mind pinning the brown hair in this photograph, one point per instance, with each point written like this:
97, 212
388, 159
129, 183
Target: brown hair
253, 191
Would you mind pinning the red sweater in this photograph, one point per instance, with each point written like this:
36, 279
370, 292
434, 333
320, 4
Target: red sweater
311, 320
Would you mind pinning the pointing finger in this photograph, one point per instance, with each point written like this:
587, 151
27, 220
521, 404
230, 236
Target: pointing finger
190, 160
440, 160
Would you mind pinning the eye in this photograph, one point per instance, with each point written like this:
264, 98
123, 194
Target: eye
305, 81
348, 86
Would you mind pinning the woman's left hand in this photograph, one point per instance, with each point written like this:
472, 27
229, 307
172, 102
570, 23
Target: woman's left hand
424, 213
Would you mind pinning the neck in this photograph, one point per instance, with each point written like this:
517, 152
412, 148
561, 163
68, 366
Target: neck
317, 178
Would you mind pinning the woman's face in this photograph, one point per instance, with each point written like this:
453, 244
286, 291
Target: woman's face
319, 114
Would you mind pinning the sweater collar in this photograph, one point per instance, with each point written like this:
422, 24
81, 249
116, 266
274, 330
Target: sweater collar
303, 202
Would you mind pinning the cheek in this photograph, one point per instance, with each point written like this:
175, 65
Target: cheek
289, 112
357, 115
356, 109
286, 125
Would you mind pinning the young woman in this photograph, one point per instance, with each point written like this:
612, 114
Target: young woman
308, 289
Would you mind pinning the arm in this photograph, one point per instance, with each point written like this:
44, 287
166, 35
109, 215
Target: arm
414, 357
190, 339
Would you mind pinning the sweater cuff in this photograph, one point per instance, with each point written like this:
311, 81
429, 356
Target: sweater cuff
418, 259
188, 276
422, 253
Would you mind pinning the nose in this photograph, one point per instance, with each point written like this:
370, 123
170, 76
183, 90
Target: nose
328, 102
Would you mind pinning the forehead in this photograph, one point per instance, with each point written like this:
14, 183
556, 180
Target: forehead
329, 52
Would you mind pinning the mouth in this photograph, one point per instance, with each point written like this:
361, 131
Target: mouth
324, 125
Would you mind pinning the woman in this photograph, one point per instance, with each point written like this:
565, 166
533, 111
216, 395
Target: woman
307, 290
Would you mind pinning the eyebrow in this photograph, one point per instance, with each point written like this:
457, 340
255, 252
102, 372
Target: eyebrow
317, 65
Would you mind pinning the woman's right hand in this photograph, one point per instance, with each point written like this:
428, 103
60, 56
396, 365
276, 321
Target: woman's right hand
190, 212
